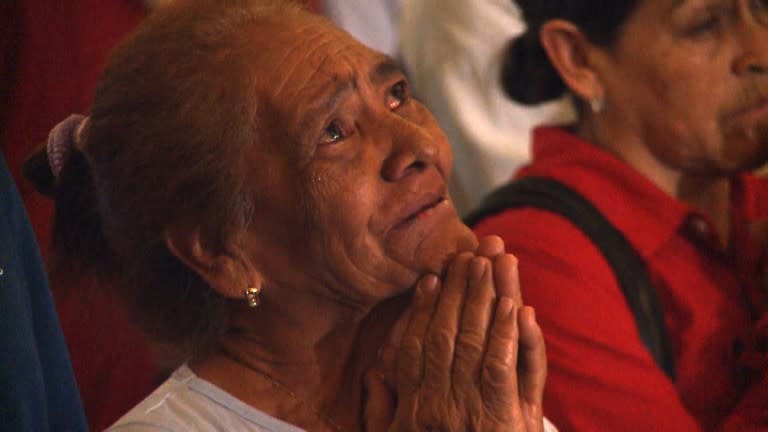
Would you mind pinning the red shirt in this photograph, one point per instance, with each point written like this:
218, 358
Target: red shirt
601, 377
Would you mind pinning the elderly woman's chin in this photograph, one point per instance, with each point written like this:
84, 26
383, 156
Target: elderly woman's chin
427, 241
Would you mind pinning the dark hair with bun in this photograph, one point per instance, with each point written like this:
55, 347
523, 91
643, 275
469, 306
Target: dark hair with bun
527, 75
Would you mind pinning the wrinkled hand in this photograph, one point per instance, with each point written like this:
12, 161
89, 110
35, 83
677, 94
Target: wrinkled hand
468, 356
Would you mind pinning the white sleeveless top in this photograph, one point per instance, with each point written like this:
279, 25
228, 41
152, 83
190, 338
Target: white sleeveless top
186, 402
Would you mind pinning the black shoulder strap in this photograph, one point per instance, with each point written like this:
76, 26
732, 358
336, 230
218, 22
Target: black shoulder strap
628, 267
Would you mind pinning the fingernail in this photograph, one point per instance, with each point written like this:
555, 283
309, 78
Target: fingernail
527, 315
505, 307
428, 284
477, 268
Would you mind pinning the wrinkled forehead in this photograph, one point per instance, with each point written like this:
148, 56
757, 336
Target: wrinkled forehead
306, 52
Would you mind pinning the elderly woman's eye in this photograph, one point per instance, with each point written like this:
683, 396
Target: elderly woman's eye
398, 94
332, 133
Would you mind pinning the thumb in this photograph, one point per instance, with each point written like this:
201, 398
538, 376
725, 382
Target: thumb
380, 381
387, 361
379, 410
532, 367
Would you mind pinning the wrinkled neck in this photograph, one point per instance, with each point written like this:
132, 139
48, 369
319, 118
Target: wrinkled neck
306, 368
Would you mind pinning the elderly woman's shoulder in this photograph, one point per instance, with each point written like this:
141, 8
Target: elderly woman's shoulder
185, 402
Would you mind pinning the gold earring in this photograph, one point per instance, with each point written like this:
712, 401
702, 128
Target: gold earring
597, 104
252, 296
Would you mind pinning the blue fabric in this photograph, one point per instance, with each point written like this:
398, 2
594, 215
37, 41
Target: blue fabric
37, 386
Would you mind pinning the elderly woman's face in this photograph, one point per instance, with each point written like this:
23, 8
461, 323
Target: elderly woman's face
352, 171
689, 78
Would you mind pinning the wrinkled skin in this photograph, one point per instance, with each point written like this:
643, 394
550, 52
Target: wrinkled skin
461, 360
350, 177
697, 106
343, 195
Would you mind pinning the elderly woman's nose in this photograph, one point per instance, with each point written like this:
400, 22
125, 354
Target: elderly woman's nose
413, 150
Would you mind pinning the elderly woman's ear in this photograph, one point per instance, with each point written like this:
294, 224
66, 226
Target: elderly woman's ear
575, 58
228, 271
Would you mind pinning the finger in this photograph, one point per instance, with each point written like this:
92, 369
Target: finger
411, 351
379, 410
532, 359
532, 369
490, 246
475, 320
441, 335
498, 379
506, 278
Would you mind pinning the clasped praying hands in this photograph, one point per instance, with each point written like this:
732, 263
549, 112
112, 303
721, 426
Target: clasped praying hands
468, 356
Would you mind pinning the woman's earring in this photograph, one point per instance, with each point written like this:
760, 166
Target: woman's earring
252, 296
597, 104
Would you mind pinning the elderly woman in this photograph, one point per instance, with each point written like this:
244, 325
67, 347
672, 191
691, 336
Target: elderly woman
267, 197
673, 98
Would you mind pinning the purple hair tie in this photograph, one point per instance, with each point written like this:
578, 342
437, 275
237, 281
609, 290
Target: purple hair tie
62, 139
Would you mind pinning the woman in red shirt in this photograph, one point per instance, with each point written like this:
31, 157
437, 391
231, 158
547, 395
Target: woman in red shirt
673, 98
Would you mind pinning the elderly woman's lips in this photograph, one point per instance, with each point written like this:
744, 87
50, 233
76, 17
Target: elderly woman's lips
423, 210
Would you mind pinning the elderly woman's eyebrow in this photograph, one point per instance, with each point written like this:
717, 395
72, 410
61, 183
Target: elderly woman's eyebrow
326, 101
342, 84
385, 69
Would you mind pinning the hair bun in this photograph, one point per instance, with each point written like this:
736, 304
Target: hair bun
37, 171
527, 75
44, 167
